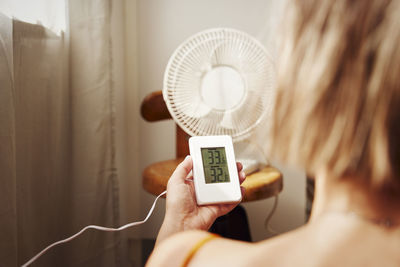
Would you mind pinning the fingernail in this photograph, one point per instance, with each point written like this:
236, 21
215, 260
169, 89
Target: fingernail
243, 174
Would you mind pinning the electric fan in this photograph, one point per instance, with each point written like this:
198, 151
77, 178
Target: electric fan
220, 82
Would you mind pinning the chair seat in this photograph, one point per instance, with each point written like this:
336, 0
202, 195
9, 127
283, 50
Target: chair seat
259, 185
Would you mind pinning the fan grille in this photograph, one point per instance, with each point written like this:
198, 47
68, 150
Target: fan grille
204, 52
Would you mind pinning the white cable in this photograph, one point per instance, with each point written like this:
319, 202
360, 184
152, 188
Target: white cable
269, 217
97, 228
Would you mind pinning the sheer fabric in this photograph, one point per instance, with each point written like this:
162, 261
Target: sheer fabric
57, 139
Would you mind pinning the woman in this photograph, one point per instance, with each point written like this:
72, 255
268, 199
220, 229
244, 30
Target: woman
337, 115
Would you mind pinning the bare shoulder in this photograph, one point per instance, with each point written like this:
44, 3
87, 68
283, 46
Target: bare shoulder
217, 252
227, 252
173, 250
331, 243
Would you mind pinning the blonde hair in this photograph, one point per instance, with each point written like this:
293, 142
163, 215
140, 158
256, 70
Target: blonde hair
337, 104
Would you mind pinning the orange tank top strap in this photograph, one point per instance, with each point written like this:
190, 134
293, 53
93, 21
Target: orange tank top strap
196, 247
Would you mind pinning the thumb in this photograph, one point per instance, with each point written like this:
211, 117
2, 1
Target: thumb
182, 170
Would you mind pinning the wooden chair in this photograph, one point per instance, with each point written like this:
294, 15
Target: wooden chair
259, 185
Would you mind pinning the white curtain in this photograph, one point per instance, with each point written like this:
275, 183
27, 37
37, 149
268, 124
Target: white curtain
57, 136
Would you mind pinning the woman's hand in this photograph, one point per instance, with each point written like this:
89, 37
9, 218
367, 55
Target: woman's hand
182, 212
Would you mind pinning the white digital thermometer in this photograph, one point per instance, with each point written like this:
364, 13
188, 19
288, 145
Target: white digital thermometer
215, 173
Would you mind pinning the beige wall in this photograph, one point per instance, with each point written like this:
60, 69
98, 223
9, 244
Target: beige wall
157, 27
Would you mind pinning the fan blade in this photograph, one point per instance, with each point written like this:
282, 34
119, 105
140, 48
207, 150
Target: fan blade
227, 121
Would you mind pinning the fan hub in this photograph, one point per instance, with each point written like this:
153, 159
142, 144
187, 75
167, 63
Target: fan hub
222, 88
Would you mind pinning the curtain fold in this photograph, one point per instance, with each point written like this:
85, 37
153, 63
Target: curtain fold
57, 139
8, 206
93, 124
42, 142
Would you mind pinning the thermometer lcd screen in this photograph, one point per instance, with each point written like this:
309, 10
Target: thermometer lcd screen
215, 165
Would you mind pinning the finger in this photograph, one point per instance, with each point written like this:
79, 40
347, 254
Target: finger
182, 170
226, 208
242, 177
243, 191
222, 209
239, 166
189, 178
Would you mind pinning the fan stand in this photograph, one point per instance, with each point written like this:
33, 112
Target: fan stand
259, 185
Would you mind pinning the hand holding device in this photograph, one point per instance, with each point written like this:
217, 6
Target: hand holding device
182, 212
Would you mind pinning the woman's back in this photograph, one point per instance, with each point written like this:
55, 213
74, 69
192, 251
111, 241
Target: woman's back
332, 240
335, 239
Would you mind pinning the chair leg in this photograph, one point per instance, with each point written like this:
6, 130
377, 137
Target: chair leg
233, 225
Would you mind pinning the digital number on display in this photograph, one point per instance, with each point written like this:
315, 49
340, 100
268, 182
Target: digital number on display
215, 165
